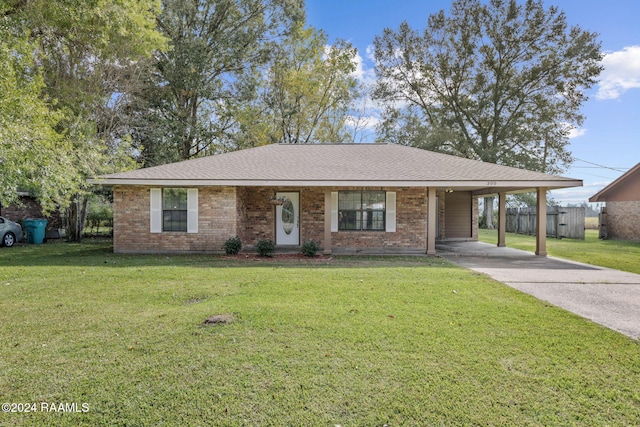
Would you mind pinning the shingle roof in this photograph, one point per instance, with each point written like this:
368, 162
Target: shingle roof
335, 164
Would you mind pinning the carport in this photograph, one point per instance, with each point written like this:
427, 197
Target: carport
501, 189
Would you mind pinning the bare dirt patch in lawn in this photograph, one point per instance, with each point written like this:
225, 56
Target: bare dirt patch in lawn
220, 319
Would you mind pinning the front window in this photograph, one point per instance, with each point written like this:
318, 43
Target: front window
361, 210
174, 209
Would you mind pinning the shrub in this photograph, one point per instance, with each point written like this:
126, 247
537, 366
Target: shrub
99, 214
266, 247
310, 248
233, 245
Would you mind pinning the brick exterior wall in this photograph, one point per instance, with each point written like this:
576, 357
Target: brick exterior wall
411, 224
246, 211
30, 208
257, 216
623, 220
217, 222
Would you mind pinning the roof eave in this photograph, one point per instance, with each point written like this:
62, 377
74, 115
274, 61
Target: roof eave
490, 186
601, 196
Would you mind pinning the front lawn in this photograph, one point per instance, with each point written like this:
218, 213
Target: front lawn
411, 341
616, 254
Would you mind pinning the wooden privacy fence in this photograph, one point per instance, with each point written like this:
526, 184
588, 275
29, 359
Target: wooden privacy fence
561, 222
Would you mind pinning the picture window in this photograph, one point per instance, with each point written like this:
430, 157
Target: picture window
361, 210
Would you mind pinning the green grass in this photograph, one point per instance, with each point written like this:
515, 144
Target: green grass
347, 341
616, 254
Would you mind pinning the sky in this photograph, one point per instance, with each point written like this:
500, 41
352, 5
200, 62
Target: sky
608, 142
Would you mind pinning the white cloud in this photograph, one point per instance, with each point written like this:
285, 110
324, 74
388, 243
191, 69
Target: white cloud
363, 127
370, 53
366, 123
364, 73
621, 73
576, 133
577, 194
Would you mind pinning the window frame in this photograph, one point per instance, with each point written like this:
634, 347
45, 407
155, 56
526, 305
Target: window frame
362, 213
180, 224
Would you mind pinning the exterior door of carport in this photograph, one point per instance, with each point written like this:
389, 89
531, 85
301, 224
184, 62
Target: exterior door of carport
457, 215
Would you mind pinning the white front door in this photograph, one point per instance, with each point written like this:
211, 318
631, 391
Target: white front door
288, 219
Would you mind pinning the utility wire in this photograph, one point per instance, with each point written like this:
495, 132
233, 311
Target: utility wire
598, 176
587, 167
602, 166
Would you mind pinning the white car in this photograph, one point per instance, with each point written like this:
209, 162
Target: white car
10, 232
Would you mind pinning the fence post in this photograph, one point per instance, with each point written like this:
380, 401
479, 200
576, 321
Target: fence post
562, 222
603, 224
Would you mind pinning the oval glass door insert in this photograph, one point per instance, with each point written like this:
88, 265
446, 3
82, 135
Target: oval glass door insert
288, 216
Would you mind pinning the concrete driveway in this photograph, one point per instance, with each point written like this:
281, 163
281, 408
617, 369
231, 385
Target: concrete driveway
608, 297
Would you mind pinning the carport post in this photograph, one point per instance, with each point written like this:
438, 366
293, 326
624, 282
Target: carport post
502, 219
327, 222
541, 222
432, 214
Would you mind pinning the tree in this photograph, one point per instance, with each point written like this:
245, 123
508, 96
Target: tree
185, 109
33, 156
500, 82
312, 86
82, 50
306, 94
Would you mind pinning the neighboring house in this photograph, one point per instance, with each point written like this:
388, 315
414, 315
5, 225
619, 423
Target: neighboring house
621, 217
30, 208
347, 197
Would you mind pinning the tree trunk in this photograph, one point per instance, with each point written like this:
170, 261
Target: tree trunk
488, 212
76, 217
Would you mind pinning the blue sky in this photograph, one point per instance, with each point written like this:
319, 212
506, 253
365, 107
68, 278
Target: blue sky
606, 145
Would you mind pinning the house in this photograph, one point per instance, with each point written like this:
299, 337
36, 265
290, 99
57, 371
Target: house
29, 207
347, 197
621, 215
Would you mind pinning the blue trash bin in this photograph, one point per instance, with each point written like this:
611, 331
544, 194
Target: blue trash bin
36, 229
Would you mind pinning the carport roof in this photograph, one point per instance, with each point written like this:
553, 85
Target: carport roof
364, 165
